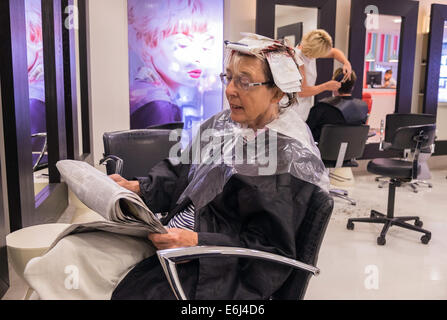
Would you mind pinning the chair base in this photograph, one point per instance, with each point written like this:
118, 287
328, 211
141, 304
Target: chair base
383, 181
377, 217
343, 194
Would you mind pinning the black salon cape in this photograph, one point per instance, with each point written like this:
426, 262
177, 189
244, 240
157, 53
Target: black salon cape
262, 213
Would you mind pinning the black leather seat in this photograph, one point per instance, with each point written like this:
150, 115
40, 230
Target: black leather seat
400, 171
391, 167
308, 242
133, 153
395, 121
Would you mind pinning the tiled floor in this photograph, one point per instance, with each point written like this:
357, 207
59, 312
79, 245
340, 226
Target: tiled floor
352, 265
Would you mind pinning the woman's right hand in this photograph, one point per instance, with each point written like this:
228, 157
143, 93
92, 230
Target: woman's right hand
133, 186
333, 85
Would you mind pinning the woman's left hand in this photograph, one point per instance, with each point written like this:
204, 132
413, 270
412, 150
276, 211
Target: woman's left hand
175, 238
347, 70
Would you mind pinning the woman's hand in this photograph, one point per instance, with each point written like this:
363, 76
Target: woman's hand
332, 85
175, 238
133, 186
347, 71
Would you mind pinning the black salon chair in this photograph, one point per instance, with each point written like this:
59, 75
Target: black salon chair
308, 242
168, 126
400, 171
339, 146
395, 121
133, 153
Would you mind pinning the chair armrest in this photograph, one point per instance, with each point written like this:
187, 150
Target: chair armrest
118, 163
170, 257
36, 166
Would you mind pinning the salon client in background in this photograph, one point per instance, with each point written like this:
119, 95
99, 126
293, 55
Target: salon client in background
388, 80
314, 45
341, 109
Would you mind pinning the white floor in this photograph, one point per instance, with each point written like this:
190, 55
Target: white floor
352, 265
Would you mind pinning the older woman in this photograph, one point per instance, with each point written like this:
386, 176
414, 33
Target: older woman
247, 180
235, 195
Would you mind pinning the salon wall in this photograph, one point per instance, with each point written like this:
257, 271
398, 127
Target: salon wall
109, 71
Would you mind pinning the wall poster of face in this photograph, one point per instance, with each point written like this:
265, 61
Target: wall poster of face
175, 58
33, 16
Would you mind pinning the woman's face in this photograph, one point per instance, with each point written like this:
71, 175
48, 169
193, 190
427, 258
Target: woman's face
255, 106
180, 58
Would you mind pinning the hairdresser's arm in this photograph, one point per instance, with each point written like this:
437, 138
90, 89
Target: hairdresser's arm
310, 91
340, 56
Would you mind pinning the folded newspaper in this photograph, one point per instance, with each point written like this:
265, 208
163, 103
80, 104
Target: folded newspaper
124, 211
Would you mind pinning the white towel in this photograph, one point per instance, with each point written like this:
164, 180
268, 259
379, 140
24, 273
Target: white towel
85, 266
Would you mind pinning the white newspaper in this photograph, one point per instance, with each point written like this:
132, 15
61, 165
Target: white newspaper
124, 211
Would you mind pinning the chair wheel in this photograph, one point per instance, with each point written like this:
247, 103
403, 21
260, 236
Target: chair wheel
381, 241
350, 226
425, 238
418, 223
380, 186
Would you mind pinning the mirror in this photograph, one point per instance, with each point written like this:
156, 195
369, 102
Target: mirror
441, 124
38, 134
381, 65
292, 22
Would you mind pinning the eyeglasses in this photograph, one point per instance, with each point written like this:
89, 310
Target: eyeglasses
241, 82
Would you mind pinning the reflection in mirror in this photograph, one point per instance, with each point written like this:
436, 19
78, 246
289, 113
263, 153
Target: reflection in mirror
381, 69
441, 124
33, 13
292, 22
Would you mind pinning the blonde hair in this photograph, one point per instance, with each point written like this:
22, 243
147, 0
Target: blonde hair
316, 43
